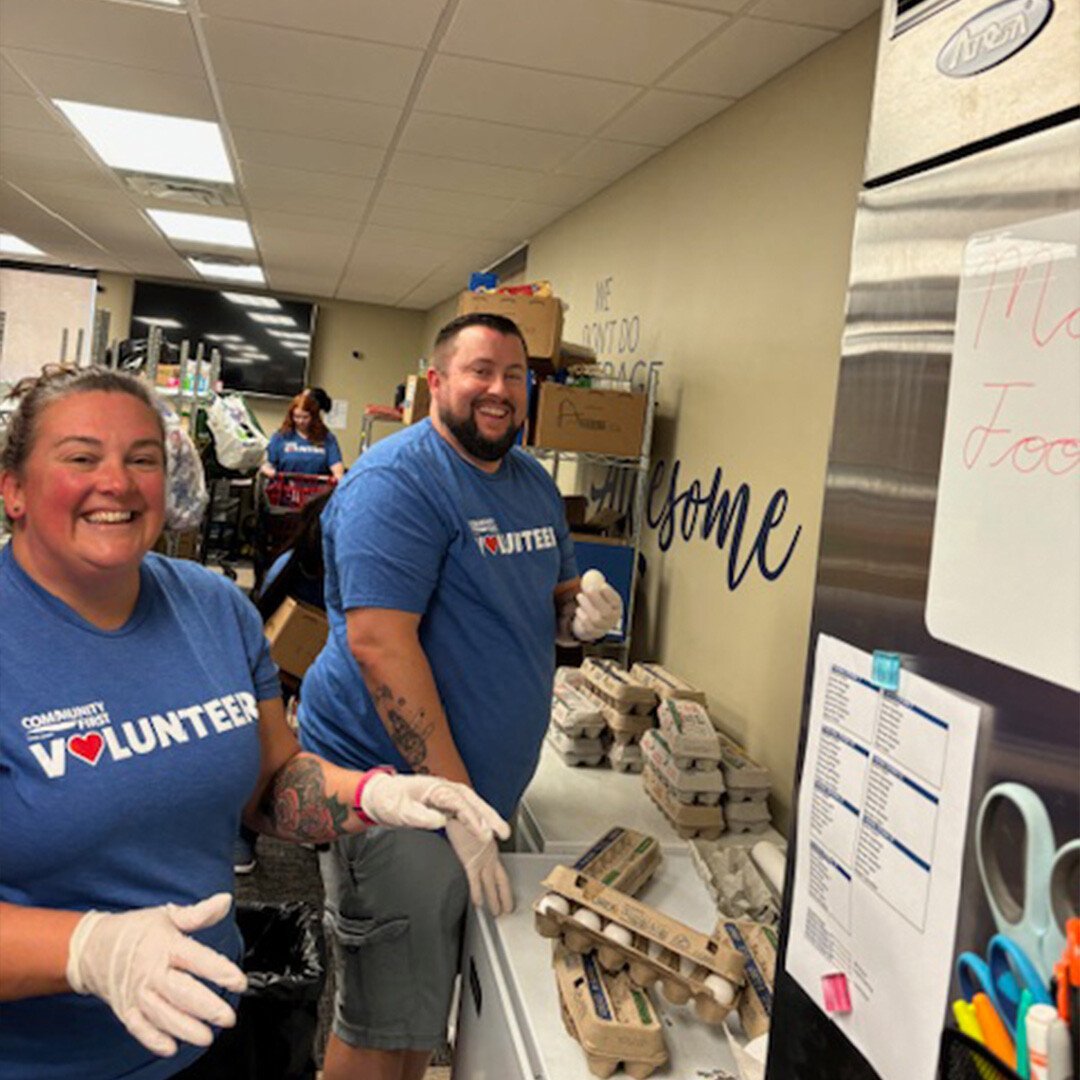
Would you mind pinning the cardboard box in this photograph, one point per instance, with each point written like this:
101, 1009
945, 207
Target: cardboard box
296, 632
539, 318
594, 421
417, 400
575, 507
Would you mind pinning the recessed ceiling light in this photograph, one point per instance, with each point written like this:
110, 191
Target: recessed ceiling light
271, 320
203, 228
290, 335
150, 142
228, 271
154, 320
251, 300
223, 337
10, 244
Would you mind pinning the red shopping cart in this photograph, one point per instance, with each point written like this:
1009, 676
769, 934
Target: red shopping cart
281, 499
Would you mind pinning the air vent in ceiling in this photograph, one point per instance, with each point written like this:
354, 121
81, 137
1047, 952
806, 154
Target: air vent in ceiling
218, 258
177, 189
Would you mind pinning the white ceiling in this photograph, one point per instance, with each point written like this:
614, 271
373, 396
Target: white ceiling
383, 149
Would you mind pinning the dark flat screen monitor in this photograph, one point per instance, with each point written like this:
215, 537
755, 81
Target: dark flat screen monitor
265, 342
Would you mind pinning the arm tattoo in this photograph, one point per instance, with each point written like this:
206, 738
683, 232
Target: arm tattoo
408, 735
298, 807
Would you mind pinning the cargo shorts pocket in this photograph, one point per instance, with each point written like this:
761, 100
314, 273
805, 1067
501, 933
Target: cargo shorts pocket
376, 982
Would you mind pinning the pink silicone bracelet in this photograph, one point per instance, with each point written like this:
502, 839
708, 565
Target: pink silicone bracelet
389, 770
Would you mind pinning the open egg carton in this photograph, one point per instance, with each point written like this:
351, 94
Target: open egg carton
734, 881
614, 1021
628, 935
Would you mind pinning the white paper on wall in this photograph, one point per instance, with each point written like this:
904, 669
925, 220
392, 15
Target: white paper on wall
1005, 563
883, 804
338, 416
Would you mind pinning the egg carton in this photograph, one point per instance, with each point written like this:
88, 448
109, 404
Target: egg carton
650, 945
665, 684
622, 859
569, 676
576, 751
758, 945
626, 757
614, 1021
575, 714
702, 786
615, 687
690, 734
704, 821
624, 727
737, 886
747, 817
747, 795
741, 771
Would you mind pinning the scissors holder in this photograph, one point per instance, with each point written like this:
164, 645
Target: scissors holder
962, 1058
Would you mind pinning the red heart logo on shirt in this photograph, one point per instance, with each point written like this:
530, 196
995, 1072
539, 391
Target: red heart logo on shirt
87, 747
492, 544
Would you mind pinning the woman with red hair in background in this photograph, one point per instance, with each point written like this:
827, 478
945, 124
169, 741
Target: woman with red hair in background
303, 444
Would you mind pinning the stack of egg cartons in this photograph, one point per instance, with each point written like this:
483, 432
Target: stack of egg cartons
665, 684
682, 768
577, 726
746, 803
626, 707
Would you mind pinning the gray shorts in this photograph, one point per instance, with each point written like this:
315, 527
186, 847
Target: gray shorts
395, 907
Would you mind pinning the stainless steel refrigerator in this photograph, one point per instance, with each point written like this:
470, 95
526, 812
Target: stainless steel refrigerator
944, 537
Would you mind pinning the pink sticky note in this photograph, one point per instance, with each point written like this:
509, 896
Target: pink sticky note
835, 989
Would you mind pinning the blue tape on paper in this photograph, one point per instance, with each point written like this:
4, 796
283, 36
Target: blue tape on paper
885, 672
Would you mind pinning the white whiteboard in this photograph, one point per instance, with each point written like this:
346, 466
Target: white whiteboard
1005, 563
39, 306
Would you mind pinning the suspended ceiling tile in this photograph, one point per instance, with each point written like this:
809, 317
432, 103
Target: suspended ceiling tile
301, 284
264, 109
436, 201
73, 79
528, 218
303, 247
28, 171
481, 140
55, 191
281, 188
22, 111
155, 38
660, 117
536, 99
449, 174
276, 219
564, 191
397, 22
744, 56
428, 221
311, 63
55, 145
623, 40
11, 82
311, 155
728, 6
604, 160
833, 14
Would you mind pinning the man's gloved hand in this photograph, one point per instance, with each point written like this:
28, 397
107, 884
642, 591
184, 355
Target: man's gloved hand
488, 883
145, 967
599, 611
429, 802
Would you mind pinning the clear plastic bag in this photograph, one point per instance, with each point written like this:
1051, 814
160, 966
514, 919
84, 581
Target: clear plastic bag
238, 443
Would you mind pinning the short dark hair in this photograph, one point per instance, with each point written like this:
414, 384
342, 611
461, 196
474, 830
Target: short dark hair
448, 334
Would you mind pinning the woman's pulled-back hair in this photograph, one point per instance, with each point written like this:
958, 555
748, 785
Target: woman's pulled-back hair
309, 404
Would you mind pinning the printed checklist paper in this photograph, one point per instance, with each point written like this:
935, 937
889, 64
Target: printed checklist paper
883, 807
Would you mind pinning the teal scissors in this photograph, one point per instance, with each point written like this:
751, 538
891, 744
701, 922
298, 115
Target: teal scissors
1035, 923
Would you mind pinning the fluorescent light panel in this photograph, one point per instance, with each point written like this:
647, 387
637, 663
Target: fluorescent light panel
203, 228
289, 335
151, 142
154, 320
224, 337
251, 300
10, 244
228, 271
271, 320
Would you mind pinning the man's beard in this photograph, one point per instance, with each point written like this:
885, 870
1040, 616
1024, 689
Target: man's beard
472, 442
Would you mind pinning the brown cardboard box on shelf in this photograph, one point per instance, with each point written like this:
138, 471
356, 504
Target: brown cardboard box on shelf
296, 632
539, 318
595, 421
575, 507
417, 399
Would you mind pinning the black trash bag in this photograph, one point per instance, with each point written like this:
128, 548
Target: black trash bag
285, 962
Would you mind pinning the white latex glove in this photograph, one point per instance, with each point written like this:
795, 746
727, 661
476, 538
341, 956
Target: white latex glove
144, 966
488, 883
429, 802
598, 612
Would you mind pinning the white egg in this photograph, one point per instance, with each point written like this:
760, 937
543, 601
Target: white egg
592, 580
654, 949
618, 934
554, 902
721, 989
587, 918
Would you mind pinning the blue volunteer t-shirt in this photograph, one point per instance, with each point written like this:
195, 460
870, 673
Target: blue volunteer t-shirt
126, 757
295, 454
414, 527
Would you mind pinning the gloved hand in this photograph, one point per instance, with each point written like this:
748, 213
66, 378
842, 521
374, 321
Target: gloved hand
598, 612
488, 882
144, 966
429, 802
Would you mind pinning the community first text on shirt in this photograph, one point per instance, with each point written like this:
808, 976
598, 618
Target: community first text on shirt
882, 814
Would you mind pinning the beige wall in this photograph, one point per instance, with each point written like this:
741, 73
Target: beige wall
390, 341
731, 251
